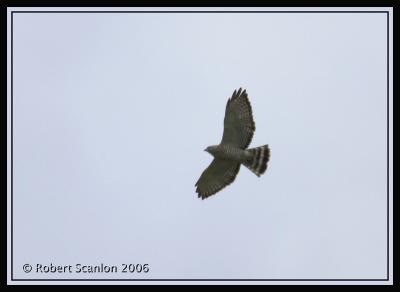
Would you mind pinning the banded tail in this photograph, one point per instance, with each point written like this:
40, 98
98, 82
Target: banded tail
258, 164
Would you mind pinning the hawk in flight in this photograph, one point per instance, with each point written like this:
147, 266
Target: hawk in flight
239, 128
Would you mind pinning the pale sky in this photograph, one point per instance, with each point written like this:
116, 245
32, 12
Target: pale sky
111, 116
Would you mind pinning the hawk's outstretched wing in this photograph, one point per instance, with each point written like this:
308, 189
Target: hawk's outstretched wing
217, 175
239, 125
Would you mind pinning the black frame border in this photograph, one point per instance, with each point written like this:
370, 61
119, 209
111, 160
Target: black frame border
387, 278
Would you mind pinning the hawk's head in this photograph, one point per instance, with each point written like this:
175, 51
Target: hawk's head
211, 149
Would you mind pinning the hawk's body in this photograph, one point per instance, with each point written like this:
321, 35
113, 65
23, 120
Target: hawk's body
230, 152
239, 129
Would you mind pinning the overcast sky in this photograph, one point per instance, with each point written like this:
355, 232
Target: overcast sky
112, 113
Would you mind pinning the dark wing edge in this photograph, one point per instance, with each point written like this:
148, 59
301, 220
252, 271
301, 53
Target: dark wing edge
252, 126
228, 181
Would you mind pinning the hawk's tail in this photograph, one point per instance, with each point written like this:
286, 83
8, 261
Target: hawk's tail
258, 164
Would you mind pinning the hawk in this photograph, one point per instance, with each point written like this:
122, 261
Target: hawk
232, 151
